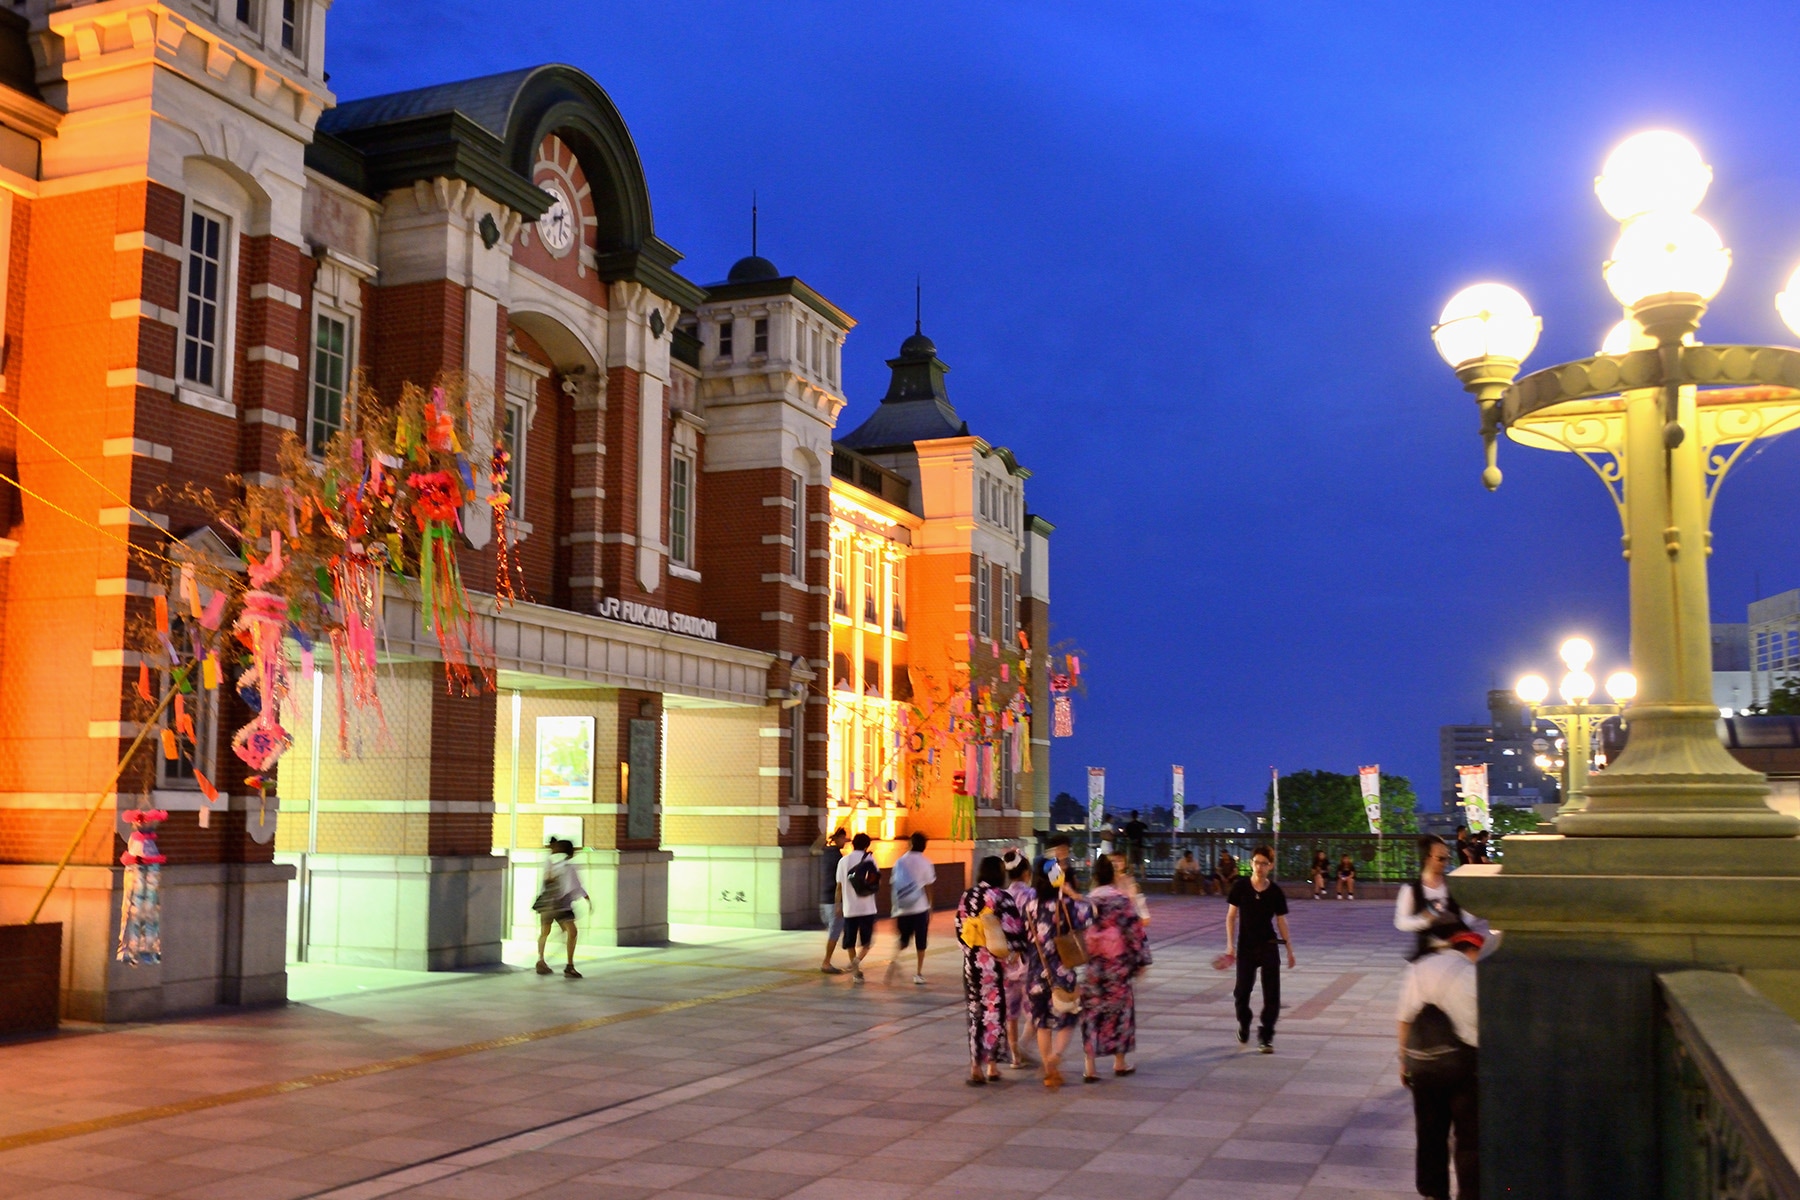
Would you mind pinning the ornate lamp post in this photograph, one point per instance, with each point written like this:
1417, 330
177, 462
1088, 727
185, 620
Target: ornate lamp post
1661, 419
1578, 720
1675, 861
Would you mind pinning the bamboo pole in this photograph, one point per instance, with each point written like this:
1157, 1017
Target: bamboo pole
100, 799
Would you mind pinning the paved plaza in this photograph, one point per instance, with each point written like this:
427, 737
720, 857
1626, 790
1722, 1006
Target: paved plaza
725, 1065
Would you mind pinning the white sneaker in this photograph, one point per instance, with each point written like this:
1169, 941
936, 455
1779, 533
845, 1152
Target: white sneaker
918, 981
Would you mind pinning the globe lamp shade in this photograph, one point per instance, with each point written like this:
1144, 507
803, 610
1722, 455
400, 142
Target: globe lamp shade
1621, 686
1532, 689
1487, 320
1788, 302
1654, 171
1664, 253
1577, 653
1577, 686
1618, 339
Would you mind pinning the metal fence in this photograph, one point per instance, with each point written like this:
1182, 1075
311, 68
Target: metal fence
1378, 859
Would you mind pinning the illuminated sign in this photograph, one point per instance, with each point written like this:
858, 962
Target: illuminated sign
633, 613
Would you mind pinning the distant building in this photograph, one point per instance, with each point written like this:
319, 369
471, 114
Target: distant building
1218, 818
1505, 744
1774, 643
1731, 683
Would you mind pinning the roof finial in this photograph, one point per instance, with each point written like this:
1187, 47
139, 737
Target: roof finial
753, 222
918, 306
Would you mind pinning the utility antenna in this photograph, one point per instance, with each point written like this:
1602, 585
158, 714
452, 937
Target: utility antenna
918, 308
753, 223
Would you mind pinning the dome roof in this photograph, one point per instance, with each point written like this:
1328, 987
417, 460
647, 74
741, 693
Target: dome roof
752, 269
918, 346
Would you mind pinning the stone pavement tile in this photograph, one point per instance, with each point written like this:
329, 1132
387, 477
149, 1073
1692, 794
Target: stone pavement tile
1255, 1170
692, 1153
862, 1189
240, 1157
604, 1144
315, 1139
55, 1162
1069, 1139
480, 1185
1289, 1130
981, 1175
249, 1187
326, 1170
1125, 1159
1165, 1125
82, 1191
1393, 1179
752, 1185
645, 1174
396, 1149
797, 1161
1113, 1185
744, 1135
1293, 1152
167, 1177
1378, 1135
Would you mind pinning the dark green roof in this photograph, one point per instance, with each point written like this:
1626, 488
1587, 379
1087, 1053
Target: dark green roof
785, 285
486, 101
917, 406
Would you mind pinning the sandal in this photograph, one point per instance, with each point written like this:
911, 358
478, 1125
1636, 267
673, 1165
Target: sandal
976, 1080
1086, 1078
1053, 1077
1120, 1074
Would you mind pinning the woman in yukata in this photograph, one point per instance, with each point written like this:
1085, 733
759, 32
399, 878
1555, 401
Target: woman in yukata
1022, 967
984, 990
1053, 909
1118, 949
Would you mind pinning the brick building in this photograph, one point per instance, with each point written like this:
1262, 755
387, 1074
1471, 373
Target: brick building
204, 252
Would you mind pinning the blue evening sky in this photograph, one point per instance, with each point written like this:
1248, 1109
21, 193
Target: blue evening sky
1183, 258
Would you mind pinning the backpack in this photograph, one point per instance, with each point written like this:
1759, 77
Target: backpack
1435, 1056
865, 876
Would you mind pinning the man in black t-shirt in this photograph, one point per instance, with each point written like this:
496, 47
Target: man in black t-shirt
1134, 843
1257, 910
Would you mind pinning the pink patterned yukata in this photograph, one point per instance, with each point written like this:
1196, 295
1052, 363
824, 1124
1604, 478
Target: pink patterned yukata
1118, 948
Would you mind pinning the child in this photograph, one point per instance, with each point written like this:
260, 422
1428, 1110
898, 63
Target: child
1346, 887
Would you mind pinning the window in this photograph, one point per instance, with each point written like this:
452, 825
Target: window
871, 573
512, 438
797, 755
840, 576
1007, 609
872, 764
984, 600
290, 25
725, 338
681, 509
834, 362
797, 529
896, 589
245, 13
201, 359
202, 705
759, 341
331, 373
818, 348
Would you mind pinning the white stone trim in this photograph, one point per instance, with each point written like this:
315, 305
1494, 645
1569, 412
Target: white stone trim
269, 291
122, 587
273, 354
205, 401
125, 310
126, 447
132, 377
268, 416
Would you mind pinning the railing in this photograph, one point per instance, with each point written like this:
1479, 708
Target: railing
1378, 859
1730, 1091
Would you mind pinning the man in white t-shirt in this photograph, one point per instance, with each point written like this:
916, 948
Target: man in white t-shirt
911, 879
1442, 1074
858, 906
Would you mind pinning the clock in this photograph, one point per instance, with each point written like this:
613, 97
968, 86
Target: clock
557, 225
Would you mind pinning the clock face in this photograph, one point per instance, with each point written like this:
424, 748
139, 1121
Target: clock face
557, 225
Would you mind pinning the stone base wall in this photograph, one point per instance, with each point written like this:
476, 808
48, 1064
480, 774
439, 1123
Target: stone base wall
411, 912
745, 887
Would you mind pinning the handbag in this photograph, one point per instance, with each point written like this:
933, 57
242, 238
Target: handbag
1064, 1002
1068, 943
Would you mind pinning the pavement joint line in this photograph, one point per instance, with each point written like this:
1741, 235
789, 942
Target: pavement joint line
455, 1162
261, 1091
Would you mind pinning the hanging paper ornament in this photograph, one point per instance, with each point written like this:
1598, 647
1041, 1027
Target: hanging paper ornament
506, 559
1062, 718
358, 587
140, 913
263, 740
143, 683
436, 505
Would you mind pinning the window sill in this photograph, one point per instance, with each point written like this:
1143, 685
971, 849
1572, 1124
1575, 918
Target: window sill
681, 572
518, 531
206, 401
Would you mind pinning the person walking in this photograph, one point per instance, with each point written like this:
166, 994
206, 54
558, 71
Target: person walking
858, 879
1256, 912
910, 901
1118, 949
1054, 916
831, 915
1023, 966
990, 929
1439, 1062
1425, 907
555, 902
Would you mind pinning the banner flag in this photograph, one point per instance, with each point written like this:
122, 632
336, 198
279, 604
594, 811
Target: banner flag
1474, 780
1096, 798
1371, 794
1177, 798
1275, 800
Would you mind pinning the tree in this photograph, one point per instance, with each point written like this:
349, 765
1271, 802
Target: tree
1510, 818
1066, 810
1327, 802
1784, 700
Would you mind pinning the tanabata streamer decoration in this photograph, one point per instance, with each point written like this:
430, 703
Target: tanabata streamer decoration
506, 559
140, 912
446, 605
1062, 718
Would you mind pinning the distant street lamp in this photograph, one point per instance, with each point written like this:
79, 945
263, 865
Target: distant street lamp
1578, 720
1660, 419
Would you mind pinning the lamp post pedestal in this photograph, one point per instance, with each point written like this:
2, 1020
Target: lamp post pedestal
1570, 1009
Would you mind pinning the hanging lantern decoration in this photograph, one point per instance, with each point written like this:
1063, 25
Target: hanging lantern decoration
140, 913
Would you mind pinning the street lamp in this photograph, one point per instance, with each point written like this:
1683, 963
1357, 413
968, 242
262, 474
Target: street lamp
1661, 420
1577, 719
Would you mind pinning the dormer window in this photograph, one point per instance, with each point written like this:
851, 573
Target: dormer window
246, 14
725, 338
759, 341
290, 25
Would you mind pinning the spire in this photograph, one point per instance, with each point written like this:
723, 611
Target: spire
918, 305
752, 222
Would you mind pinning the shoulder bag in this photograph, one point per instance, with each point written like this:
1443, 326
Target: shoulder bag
1068, 943
1064, 1002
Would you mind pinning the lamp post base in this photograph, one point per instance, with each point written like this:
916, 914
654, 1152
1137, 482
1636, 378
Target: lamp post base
1570, 1008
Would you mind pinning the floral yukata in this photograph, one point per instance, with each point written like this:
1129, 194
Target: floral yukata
1118, 948
1044, 919
983, 987
1022, 967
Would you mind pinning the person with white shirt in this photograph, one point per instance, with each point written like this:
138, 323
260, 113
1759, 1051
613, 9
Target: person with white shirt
911, 881
1439, 1034
858, 881
1425, 907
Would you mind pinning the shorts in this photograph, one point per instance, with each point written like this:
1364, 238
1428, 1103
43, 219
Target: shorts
913, 926
831, 919
558, 915
859, 929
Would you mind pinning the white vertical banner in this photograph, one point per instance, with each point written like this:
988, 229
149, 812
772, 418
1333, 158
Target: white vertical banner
1096, 798
1474, 780
1275, 801
1177, 798
1371, 794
